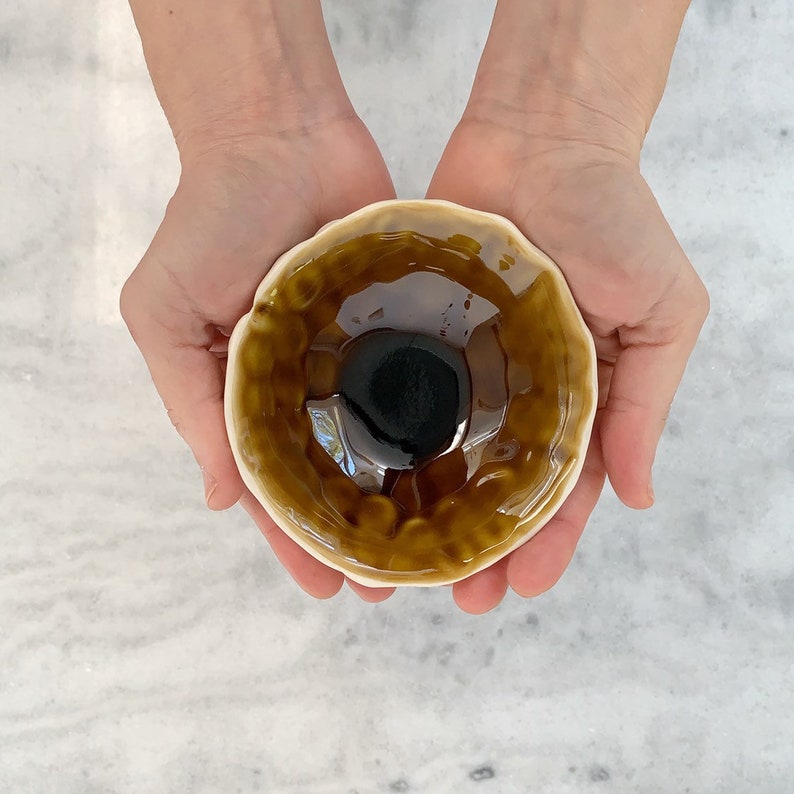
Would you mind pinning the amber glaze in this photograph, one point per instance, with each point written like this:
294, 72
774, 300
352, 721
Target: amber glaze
528, 407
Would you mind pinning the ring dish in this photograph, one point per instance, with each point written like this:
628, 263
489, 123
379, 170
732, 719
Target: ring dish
412, 393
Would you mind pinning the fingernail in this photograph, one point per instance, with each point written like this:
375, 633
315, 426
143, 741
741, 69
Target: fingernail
209, 485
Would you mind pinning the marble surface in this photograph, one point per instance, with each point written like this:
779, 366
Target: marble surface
147, 645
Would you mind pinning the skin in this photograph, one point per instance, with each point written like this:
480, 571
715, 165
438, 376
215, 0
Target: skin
271, 149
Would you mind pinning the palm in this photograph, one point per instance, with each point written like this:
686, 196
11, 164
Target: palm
592, 212
235, 213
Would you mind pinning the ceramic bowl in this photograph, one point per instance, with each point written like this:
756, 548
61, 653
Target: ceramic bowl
412, 394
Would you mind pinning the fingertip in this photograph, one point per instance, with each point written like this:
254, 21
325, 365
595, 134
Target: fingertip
483, 591
628, 461
528, 585
222, 496
322, 587
372, 595
635, 496
223, 485
538, 565
472, 605
531, 586
313, 577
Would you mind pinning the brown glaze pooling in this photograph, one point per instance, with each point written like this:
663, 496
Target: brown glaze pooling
528, 402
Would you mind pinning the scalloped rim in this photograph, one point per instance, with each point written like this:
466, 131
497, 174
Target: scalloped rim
317, 242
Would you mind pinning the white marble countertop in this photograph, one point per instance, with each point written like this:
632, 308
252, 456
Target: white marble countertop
150, 646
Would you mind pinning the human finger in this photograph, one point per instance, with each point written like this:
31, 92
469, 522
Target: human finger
644, 381
483, 591
310, 574
537, 565
372, 595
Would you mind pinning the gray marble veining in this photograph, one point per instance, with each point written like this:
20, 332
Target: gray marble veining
148, 645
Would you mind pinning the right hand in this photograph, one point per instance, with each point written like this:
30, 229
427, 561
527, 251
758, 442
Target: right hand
591, 211
238, 206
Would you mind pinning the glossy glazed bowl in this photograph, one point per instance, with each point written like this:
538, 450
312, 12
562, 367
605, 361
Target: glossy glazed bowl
412, 394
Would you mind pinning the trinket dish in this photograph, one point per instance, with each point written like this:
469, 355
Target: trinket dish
412, 394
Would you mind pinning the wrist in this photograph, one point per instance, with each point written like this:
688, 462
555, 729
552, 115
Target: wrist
578, 71
228, 72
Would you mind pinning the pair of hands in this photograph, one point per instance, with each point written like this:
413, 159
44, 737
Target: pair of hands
242, 200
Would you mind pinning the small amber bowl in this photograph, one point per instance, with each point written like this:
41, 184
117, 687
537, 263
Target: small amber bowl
412, 394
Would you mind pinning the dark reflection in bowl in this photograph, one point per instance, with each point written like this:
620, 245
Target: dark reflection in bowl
410, 405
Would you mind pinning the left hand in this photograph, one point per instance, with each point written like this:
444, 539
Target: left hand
238, 206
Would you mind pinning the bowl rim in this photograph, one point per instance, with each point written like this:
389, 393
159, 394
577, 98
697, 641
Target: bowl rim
537, 518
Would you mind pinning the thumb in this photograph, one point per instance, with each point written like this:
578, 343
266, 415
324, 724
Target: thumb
647, 372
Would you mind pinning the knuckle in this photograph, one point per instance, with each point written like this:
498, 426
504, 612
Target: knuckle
135, 304
128, 304
618, 403
703, 300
